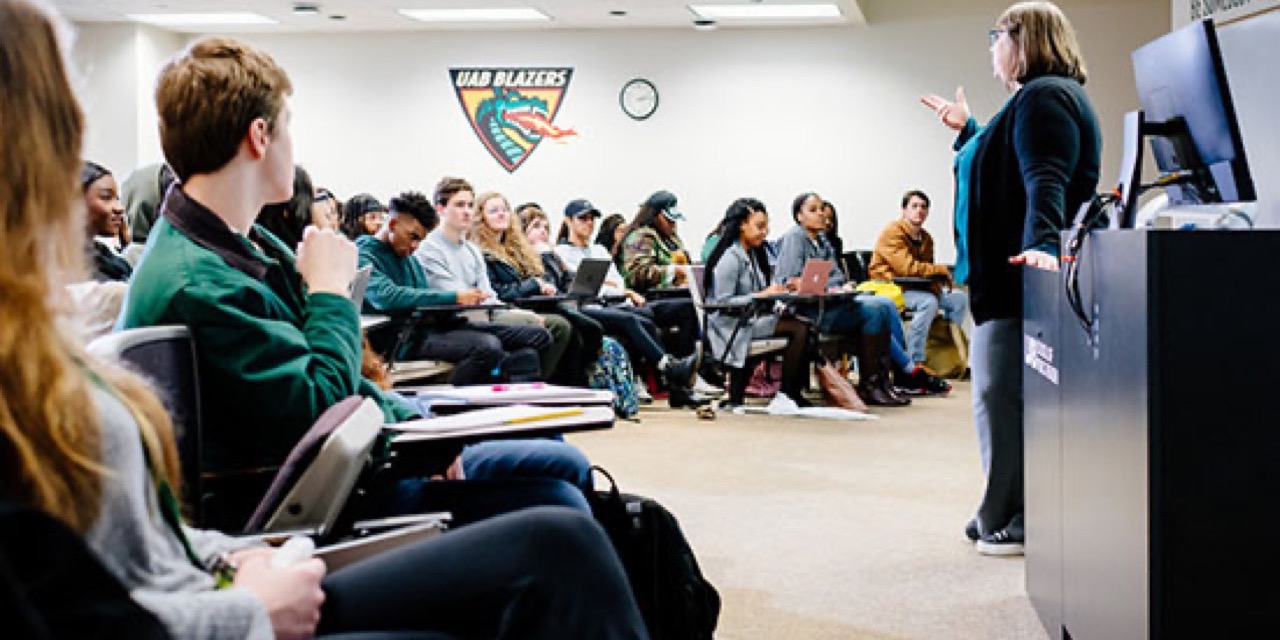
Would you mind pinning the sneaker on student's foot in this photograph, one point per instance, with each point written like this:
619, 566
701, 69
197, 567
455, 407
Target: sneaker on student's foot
706, 388
642, 391
1000, 543
971, 530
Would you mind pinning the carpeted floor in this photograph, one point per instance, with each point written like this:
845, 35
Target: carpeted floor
817, 530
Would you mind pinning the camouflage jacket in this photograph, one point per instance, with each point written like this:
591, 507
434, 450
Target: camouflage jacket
644, 257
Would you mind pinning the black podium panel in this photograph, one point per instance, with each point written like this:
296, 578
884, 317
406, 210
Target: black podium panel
1042, 443
1169, 443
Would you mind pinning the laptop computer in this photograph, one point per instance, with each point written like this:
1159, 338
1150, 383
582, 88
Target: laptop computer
813, 281
359, 284
589, 278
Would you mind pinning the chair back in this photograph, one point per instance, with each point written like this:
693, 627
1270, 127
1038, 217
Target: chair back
855, 265
166, 355
312, 487
696, 292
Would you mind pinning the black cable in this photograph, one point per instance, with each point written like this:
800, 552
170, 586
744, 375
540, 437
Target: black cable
1093, 218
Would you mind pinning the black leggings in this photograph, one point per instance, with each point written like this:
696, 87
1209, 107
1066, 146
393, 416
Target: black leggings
795, 364
545, 573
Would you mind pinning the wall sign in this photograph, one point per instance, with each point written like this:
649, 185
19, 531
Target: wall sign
512, 110
1188, 11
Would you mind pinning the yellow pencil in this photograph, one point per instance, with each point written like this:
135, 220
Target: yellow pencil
576, 411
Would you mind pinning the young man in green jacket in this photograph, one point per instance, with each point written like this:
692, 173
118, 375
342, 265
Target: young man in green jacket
397, 283
277, 338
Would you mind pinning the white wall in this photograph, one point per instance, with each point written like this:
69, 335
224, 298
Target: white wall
117, 64
767, 113
106, 61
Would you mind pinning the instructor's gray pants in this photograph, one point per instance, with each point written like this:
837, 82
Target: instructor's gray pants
996, 362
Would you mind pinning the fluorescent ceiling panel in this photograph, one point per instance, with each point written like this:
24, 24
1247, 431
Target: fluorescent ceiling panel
200, 19
507, 14
765, 11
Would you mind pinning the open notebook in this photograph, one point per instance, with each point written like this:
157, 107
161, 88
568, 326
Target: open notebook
505, 420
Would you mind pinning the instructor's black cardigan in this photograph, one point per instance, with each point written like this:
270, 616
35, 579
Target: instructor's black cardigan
1036, 163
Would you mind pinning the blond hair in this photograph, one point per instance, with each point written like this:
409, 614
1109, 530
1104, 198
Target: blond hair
512, 246
207, 97
50, 436
1044, 41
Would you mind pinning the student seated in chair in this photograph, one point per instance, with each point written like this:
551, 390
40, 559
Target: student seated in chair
737, 272
98, 299
905, 249
398, 284
453, 263
277, 339
515, 272
870, 318
632, 319
92, 446
652, 256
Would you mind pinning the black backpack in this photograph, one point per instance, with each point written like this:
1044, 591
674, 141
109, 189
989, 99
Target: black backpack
53, 587
676, 601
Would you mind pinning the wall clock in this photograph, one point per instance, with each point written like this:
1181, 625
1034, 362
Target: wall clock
639, 98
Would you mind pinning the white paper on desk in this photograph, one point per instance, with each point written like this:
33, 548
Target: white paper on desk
784, 406
485, 393
522, 414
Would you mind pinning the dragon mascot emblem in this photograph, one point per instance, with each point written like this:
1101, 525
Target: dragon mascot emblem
510, 120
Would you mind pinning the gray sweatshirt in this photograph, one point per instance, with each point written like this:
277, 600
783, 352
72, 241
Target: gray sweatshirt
795, 248
138, 547
454, 266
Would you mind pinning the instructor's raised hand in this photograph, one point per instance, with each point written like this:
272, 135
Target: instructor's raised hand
953, 114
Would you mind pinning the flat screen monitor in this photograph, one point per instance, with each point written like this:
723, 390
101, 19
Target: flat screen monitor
1190, 118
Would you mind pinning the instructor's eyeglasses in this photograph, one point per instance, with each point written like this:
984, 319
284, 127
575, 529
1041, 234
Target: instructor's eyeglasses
994, 34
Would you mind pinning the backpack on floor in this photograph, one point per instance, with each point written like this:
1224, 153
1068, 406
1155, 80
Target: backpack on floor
676, 601
612, 371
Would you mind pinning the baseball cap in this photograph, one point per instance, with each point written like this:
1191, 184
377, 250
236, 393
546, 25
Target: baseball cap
579, 207
665, 202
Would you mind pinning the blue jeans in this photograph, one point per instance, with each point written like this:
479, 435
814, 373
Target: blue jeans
522, 459
924, 305
866, 315
502, 476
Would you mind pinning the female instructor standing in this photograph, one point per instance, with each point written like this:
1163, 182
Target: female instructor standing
1018, 179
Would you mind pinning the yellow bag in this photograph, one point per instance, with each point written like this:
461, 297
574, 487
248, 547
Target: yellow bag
885, 289
947, 349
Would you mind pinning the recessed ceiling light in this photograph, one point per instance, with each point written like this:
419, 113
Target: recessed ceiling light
200, 19
617, 13
306, 9
337, 16
507, 14
704, 25
777, 11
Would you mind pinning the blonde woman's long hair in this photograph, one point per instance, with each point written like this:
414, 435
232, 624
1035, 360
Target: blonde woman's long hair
512, 246
50, 436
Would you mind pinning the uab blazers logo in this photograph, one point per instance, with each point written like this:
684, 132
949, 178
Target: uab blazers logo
512, 110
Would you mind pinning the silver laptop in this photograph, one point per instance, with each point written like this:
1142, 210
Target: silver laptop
589, 278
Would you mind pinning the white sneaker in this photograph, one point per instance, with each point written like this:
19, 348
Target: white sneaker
1000, 543
706, 388
642, 391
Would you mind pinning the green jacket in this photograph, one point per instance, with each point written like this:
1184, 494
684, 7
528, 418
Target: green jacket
396, 284
271, 357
